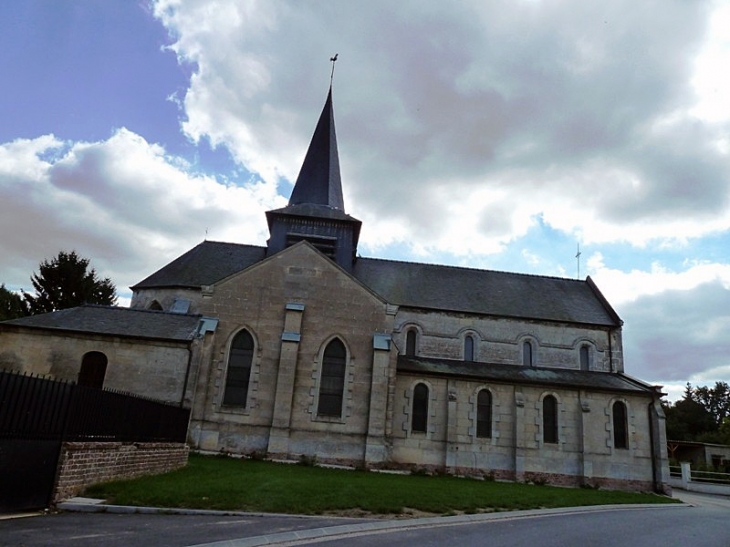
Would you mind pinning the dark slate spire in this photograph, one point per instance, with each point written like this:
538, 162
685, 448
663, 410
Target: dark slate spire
316, 210
319, 180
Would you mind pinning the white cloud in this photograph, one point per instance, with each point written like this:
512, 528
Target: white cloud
461, 124
622, 287
121, 202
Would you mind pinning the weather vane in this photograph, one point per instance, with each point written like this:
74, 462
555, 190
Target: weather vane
577, 257
334, 60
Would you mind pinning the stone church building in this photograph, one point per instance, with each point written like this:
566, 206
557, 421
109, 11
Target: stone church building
302, 347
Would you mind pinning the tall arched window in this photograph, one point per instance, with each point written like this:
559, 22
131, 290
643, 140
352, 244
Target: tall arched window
93, 369
550, 419
411, 343
527, 357
419, 418
620, 426
468, 348
332, 380
239, 370
585, 354
484, 414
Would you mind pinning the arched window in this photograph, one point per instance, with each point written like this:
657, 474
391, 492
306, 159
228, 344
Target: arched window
484, 414
468, 348
411, 343
239, 370
419, 418
93, 369
332, 379
585, 354
155, 306
620, 426
550, 419
527, 353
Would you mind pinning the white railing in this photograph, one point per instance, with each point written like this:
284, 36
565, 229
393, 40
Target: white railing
709, 482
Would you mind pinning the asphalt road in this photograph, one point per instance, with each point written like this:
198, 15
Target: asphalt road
705, 523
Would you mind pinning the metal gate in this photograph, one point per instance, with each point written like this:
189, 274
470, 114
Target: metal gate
27, 473
38, 414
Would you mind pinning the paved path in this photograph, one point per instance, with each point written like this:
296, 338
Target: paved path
120, 526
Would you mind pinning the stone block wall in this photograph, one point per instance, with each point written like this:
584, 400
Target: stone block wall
82, 464
151, 368
285, 374
499, 340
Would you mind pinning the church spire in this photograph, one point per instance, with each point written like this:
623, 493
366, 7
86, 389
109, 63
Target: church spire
316, 210
319, 179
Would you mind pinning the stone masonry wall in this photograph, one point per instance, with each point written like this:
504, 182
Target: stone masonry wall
151, 368
284, 381
85, 463
500, 340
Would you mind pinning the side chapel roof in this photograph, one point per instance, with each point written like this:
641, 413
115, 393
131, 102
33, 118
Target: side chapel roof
512, 374
114, 321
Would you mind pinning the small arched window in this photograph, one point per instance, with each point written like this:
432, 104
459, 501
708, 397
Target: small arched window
550, 419
468, 348
419, 418
93, 369
585, 354
411, 343
155, 306
620, 425
332, 379
527, 357
484, 414
239, 370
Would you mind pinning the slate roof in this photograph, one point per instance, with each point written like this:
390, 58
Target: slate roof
115, 321
204, 264
427, 286
319, 178
514, 374
487, 292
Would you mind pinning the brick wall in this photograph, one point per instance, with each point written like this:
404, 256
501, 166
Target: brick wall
85, 463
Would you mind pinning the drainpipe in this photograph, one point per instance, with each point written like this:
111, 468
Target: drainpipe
187, 376
652, 437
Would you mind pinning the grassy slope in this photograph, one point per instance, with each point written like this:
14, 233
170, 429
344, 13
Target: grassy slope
234, 484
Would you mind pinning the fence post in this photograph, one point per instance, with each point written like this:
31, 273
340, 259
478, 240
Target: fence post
686, 475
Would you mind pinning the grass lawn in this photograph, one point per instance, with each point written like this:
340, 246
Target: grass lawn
213, 482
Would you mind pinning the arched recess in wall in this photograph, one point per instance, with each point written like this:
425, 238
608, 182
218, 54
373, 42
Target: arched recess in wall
93, 369
484, 414
332, 379
419, 411
528, 352
155, 306
411, 341
619, 414
469, 347
550, 419
238, 372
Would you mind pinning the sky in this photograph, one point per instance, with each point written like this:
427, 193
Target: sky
502, 135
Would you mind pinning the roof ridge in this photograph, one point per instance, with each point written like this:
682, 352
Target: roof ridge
468, 268
140, 310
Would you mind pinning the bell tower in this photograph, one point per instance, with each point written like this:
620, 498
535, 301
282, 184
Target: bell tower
316, 210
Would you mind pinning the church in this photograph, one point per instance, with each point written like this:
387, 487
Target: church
303, 348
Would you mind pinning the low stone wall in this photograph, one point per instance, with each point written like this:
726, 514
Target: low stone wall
82, 464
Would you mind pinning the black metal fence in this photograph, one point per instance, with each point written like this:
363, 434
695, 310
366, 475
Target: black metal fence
33, 407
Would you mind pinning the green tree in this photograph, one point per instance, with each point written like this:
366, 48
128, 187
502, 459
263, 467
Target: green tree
65, 282
12, 305
716, 400
687, 420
